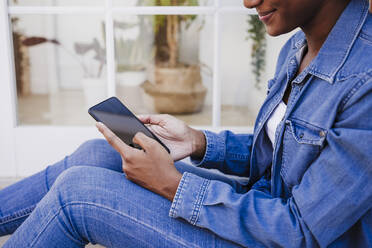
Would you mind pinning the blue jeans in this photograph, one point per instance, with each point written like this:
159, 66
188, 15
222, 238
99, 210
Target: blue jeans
86, 198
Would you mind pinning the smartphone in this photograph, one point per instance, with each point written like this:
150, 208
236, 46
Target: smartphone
121, 121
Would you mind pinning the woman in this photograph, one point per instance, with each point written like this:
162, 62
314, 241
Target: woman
308, 161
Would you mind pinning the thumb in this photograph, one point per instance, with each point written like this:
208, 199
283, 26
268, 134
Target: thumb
151, 119
146, 119
144, 141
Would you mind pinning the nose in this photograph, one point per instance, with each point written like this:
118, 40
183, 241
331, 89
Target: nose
252, 3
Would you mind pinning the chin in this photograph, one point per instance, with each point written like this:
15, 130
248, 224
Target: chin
276, 31
272, 31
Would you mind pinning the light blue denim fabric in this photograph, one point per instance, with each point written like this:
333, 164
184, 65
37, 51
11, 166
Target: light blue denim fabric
315, 187
86, 198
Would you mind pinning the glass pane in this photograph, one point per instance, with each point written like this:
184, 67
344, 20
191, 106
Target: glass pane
160, 70
162, 2
60, 70
244, 74
55, 2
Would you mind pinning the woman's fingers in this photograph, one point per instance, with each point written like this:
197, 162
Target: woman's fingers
145, 142
152, 119
114, 140
146, 119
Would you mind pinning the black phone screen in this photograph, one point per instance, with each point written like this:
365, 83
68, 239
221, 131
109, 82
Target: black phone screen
121, 121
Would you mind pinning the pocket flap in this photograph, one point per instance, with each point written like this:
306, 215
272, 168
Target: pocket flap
306, 133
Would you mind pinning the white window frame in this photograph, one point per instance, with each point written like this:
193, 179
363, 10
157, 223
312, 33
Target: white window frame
27, 149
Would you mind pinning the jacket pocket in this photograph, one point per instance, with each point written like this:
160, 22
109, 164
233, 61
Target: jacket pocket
302, 143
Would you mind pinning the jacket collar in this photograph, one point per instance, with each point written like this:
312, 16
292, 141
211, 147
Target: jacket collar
338, 44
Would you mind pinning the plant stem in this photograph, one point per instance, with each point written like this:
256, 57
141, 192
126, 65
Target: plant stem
172, 39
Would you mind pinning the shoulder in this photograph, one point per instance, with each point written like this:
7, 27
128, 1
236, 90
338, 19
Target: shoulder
359, 61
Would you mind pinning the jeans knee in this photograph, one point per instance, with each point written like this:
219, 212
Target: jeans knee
73, 189
97, 153
86, 184
94, 145
71, 177
71, 184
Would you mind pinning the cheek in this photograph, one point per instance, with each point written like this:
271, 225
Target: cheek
282, 23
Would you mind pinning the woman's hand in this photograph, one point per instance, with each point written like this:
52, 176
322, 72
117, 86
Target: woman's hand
152, 167
370, 6
181, 139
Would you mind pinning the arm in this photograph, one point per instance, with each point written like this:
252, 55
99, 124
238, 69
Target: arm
333, 195
227, 152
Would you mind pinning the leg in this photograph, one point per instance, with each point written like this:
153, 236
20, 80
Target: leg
88, 204
18, 200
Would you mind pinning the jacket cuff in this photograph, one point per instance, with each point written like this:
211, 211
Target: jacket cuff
214, 152
189, 198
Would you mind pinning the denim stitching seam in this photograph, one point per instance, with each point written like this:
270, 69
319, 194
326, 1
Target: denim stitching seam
198, 202
352, 92
18, 215
203, 193
175, 203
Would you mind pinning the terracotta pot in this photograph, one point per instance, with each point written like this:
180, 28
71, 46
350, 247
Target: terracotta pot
174, 90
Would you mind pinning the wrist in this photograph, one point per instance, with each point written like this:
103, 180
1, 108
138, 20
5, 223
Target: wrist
198, 144
169, 192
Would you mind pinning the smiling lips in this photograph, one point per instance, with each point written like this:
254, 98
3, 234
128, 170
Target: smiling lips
266, 15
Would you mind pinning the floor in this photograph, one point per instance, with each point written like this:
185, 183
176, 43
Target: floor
7, 181
52, 109
4, 239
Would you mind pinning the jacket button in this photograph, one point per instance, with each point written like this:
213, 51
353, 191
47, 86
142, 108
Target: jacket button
301, 135
321, 133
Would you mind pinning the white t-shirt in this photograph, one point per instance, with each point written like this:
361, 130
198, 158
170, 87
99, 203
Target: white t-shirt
274, 120
279, 112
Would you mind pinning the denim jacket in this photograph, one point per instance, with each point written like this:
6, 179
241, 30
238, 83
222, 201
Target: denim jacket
314, 188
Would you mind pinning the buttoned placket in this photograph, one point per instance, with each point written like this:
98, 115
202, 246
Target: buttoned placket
296, 87
291, 71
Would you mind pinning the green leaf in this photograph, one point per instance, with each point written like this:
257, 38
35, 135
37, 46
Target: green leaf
257, 33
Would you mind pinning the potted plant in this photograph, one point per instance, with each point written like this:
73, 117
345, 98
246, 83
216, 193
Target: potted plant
21, 61
257, 33
93, 84
133, 52
172, 86
133, 49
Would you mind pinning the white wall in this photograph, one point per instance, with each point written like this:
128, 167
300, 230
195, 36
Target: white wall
236, 70
236, 74
7, 107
